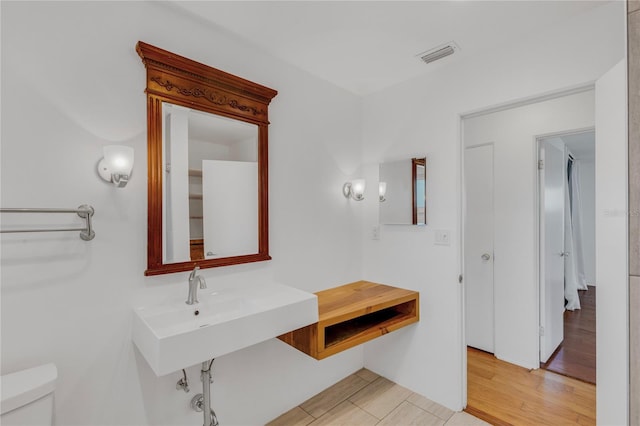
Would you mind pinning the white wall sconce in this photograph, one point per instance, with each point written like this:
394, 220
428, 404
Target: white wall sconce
116, 165
382, 191
354, 189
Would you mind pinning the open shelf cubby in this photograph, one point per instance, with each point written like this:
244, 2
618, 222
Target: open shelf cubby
352, 314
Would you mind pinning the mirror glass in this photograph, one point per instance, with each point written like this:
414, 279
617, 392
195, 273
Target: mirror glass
404, 198
210, 185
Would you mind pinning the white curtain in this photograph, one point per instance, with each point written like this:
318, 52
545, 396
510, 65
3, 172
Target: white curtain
574, 275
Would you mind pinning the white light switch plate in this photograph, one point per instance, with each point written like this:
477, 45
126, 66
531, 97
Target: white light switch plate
443, 237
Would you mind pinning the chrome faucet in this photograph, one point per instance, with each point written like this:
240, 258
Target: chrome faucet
194, 281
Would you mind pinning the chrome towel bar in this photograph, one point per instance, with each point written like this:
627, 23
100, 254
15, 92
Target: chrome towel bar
85, 211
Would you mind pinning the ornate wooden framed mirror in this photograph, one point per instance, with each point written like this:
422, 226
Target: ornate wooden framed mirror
207, 134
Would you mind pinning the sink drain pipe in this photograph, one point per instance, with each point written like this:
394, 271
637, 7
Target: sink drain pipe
202, 401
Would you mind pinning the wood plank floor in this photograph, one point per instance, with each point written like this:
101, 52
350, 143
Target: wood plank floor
505, 394
576, 356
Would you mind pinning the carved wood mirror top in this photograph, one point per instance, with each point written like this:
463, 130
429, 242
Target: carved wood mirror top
179, 87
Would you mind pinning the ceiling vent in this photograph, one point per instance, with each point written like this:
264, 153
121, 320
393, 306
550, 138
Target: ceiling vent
438, 52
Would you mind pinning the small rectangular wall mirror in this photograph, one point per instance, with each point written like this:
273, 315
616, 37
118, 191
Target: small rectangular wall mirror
403, 192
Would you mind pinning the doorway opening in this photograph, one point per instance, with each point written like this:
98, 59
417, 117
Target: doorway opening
567, 254
505, 306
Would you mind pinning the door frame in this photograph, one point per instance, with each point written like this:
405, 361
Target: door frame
461, 203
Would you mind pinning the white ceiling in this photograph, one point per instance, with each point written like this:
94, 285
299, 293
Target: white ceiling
365, 46
581, 145
217, 129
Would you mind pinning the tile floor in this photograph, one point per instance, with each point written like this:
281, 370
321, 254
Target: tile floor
364, 398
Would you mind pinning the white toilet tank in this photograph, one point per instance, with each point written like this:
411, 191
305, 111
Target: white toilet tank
27, 396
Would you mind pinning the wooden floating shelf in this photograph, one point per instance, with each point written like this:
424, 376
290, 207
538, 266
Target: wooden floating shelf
352, 314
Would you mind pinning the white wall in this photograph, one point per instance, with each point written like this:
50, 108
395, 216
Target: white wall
422, 117
175, 149
588, 210
612, 231
71, 83
513, 133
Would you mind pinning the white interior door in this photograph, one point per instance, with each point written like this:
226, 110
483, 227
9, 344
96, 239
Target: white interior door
230, 206
478, 247
552, 256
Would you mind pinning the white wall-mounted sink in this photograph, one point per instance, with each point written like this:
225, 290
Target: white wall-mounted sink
173, 335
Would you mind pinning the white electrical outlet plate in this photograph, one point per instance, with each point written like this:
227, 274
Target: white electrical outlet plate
442, 237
